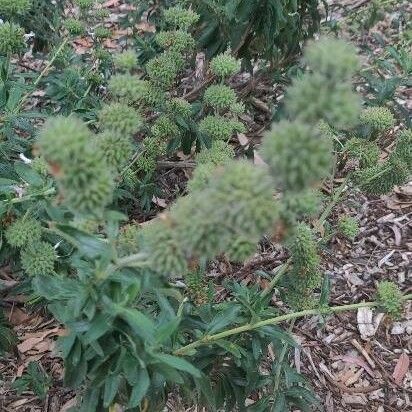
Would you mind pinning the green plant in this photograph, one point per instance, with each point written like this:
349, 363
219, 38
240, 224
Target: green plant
35, 379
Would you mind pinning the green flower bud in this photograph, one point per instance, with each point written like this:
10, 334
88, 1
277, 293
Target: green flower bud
146, 163
224, 65
103, 55
38, 259
23, 231
126, 60
179, 107
128, 88
312, 98
117, 149
300, 205
377, 118
332, 58
348, 226
101, 13
40, 166
403, 149
128, 242
297, 155
84, 5
389, 298
201, 177
120, 118
178, 41
220, 97
181, 18
197, 287
163, 69
75, 27
365, 151
219, 153
12, 8
164, 129
11, 38
102, 32
241, 249
219, 127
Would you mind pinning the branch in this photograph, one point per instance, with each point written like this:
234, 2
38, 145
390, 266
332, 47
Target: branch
208, 339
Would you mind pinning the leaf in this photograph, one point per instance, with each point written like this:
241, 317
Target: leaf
166, 331
401, 368
140, 389
111, 387
140, 324
178, 363
224, 318
28, 174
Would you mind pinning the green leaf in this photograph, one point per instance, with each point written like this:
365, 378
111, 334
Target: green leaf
166, 331
111, 387
177, 363
223, 319
28, 174
140, 389
140, 324
99, 326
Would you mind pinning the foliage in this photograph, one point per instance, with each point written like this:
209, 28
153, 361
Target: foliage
389, 298
35, 379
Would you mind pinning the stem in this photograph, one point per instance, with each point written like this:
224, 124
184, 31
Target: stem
335, 199
279, 272
274, 321
50, 191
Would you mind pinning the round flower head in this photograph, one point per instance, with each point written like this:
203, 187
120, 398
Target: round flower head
102, 32
295, 206
332, 58
126, 60
219, 153
23, 231
365, 151
377, 118
178, 41
116, 148
101, 13
74, 26
61, 138
219, 127
297, 156
389, 298
201, 177
11, 8
38, 259
181, 18
128, 88
11, 38
84, 4
312, 98
127, 242
163, 69
220, 97
348, 226
40, 165
241, 249
179, 107
164, 129
120, 118
224, 65
403, 149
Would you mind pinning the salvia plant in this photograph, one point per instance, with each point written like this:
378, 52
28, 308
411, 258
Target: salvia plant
141, 318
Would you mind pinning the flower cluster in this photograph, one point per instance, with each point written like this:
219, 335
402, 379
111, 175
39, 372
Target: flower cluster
125, 61
38, 259
23, 231
11, 38
224, 65
390, 298
12, 8
348, 226
120, 118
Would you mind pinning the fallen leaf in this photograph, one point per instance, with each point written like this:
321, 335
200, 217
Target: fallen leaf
401, 368
366, 326
243, 140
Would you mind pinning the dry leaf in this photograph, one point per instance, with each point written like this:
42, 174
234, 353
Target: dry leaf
365, 323
243, 140
401, 368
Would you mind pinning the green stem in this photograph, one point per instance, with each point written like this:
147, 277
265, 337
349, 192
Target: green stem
280, 271
208, 339
50, 191
335, 199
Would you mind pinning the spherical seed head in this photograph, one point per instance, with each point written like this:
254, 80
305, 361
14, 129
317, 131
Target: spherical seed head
128, 88
146, 163
154, 146
348, 226
62, 138
11, 38
178, 41
377, 118
224, 65
116, 148
180, 18
103, 55
179, 107
219, 153
389, 298
126, 60
84, 4
332, 58
40, 165
11, 8
220, 97
128, 242
163, 69
297, 155
74, 26
38, 259
311, 99
201, 177
299, 205
403, 149
166, 255
23, 231
363, 150
120, 118
241, 249
102, 32
219, 127
164, 128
